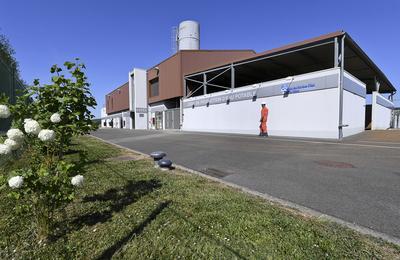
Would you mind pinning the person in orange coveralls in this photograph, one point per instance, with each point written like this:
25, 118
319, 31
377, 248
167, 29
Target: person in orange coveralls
263, 120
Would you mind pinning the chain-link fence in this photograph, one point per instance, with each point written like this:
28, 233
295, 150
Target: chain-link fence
9, 84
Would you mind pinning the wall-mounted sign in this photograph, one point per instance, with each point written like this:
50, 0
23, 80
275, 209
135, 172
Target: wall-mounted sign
315, 83
141, 110
287, 89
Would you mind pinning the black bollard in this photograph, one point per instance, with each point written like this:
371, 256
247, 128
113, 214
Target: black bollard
158, 155
165, 164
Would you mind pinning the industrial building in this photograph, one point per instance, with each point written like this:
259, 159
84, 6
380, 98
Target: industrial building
313, 88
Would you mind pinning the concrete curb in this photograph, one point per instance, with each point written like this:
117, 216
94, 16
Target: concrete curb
281, 202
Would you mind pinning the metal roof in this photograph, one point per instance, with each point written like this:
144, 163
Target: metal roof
356, 62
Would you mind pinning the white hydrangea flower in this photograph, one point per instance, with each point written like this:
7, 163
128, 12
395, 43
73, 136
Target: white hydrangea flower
47, 135
31, 126
13, 144
5, 149
16, 182
27, 119
4, 111
77, 180
55, 118
15, 134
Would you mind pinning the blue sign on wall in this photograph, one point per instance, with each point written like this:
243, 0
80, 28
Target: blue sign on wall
287, 89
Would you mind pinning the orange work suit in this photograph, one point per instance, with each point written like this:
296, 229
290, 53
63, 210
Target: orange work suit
263, 120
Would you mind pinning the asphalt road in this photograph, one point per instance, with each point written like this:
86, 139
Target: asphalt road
357, 180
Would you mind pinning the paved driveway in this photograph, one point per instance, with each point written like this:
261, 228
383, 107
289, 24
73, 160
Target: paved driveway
357, 180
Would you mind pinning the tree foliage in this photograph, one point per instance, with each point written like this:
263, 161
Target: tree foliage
7, 54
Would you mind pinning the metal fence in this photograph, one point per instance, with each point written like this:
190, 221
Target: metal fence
9, 84
172, 118
395, 118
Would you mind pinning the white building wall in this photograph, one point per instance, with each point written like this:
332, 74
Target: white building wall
140, 98
353, 105
312, 113
381, 112
109, 122
126, 122
103, 114
117, 122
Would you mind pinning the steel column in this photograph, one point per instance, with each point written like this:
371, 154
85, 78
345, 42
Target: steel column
377, 84
232, 76
336, 54
204, 83
184, 87
341, 88
208, 83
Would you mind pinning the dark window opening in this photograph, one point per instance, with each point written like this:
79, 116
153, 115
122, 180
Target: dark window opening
154, 87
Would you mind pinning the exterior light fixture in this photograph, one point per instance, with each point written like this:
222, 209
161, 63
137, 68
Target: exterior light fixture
157, 70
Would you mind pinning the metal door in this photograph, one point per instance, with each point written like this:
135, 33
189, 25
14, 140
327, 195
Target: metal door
159, 120
172, 118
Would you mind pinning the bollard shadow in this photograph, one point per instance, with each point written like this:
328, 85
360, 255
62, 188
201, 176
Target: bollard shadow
208, 235
115, 200
109, 252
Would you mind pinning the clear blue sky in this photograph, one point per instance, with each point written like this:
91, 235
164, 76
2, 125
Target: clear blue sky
112, 37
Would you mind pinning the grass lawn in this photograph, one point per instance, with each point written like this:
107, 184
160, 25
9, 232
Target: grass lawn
130, 210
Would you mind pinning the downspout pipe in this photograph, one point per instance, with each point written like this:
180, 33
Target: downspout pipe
341, 82
391, 95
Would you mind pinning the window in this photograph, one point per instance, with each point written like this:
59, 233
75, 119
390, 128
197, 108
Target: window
154, 89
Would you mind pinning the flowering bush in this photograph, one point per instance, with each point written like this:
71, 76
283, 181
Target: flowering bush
77, 180
31, 126
4, 111
16, 182
5, 149
15, 134
55, 118
47, 135
45, 118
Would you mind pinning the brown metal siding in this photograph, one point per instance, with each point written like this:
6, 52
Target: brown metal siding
169, 75
195, 61
171, 71
118, 99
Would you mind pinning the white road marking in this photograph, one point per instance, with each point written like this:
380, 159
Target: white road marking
295, 140
376, 142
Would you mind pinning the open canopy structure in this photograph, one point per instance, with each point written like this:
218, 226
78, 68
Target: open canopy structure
315, 54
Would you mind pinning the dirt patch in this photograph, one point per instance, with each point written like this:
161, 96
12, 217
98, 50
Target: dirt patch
381, 136
127, 157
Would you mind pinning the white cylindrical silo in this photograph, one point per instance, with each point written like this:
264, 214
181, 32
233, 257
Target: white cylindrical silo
189, 35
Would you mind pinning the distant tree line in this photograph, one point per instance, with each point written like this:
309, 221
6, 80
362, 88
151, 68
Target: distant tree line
7, 53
